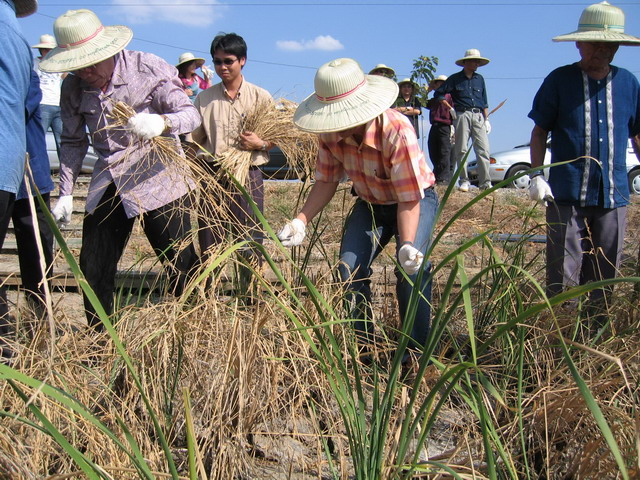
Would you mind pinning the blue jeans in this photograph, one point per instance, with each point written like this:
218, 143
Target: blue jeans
367, 231
50, 115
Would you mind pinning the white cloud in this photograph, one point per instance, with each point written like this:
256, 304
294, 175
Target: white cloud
321, 42
195, 13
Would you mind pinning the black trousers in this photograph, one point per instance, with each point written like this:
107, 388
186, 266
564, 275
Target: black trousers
105, 233
28, 253
6, 207
439, 145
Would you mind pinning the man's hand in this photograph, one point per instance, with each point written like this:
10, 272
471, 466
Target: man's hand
487, 126
63, 210
539, 190
146, 125
251, 141
410, 258
292, 233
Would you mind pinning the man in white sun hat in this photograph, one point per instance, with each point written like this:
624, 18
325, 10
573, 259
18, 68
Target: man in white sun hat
376, 146
50, 83
469, 93
130, 179
591, 108
15, 76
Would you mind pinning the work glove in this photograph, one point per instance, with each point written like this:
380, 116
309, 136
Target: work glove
453, 114
487, 126
63, 210
539, 190
410, 258
292, 233
146, 125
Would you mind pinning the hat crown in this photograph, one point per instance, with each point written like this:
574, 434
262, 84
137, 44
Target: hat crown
185, 57
338, 79
46, 38
76, 27
601, 16
472, 52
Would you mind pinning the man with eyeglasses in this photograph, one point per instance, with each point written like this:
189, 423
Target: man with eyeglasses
223, 108
130, 179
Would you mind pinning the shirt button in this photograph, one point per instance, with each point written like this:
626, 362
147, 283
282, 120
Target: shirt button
600, 139
600, 121
599, 101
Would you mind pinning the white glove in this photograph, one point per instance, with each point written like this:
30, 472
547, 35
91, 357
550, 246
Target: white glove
207, 72
539, 190
453, 114
292, 233
146, 125
63, 209
487, 126
410, 258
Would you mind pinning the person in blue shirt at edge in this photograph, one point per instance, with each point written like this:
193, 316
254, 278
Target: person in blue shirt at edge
591, 108
16, 65
471, 116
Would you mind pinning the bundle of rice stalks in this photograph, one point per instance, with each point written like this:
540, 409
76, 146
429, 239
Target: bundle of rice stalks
272, 123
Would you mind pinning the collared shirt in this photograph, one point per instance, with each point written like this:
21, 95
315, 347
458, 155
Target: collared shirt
386, 168
592, 118
36, 143
222, 118
439, 112
16, 63
466, 92
144, 182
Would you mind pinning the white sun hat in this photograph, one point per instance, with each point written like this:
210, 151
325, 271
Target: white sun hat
46, 41
188, 57
344, 97
472, 54
382, 69
83, 41
24, 8
439, 78
600, 22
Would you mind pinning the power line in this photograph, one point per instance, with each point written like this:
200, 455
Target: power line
337, 4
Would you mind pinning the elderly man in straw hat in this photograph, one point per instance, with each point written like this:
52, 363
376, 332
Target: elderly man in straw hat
591, 108
14, 89
439, 141
377, 148
131, 178
50, 83
469, 94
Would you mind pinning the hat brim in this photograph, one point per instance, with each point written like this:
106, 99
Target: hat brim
45, 45
598, 36
363, 105
199, 62
24, 8
483, 61
113, 40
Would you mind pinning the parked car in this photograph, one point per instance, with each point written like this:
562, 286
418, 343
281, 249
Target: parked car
87, 165
278, 167
511, 162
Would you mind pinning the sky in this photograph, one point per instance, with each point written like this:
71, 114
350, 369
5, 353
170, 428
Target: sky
288, 40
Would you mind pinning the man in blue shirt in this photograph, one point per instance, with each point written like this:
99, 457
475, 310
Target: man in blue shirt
16, 64
591, 108
471, 114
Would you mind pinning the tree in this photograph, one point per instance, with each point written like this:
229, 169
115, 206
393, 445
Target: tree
423, 71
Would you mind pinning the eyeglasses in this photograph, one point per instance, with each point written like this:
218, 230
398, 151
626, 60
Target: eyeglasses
227, 61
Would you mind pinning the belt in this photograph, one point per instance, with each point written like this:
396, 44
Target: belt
472, 110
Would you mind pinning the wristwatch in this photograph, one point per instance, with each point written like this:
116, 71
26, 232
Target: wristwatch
264, 146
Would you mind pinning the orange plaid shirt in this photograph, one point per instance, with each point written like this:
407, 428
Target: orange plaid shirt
386, 168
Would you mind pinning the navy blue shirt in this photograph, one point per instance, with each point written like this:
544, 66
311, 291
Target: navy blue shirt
466, 92
589, 118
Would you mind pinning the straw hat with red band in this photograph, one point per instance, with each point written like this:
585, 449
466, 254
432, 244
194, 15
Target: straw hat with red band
24, 8
344, 97
83, 41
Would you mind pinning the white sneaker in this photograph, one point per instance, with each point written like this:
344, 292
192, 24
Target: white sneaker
464, 186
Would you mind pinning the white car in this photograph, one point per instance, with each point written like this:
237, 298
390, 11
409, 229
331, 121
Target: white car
87, 164
506, 164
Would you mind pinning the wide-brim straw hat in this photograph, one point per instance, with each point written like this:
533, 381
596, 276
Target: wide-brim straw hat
24, 8
46, 41
188, 57
83, 41
472, 54
381, 68
344, 97
600, 22
407, 80
439, 78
